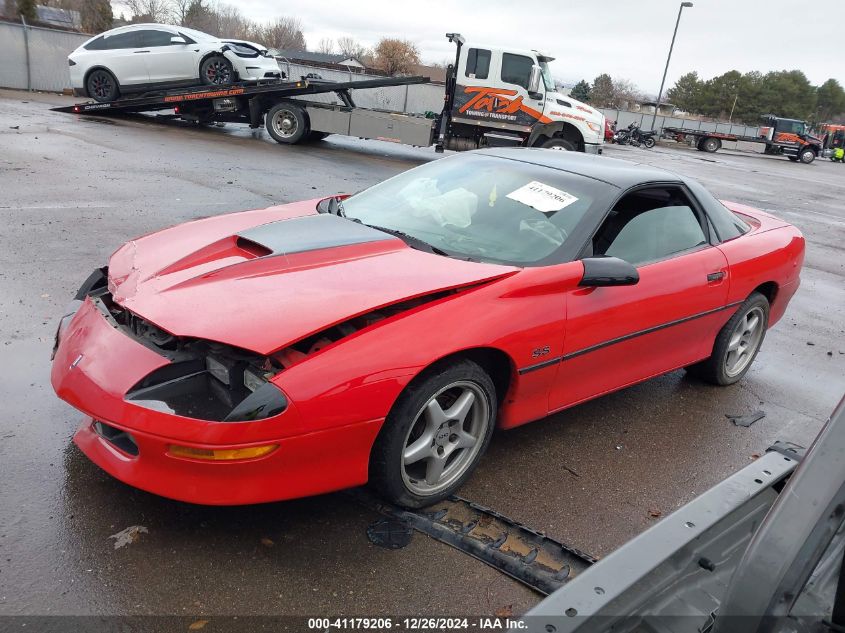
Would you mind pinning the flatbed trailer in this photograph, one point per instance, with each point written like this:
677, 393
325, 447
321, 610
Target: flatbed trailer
797, 146
483, 110
251, 102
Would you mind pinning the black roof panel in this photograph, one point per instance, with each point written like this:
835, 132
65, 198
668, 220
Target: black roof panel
620, 173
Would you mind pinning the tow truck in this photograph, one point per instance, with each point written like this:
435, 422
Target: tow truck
493, 97
789, 137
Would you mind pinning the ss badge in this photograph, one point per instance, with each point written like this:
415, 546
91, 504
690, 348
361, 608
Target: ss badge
540, 351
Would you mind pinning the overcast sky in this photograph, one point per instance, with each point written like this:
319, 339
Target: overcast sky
625, 38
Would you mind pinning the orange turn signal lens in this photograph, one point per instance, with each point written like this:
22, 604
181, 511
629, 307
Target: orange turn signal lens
221, 454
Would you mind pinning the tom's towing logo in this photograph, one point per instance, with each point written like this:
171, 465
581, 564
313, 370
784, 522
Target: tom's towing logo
497, 103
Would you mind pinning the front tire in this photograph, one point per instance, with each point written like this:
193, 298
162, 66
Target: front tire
102, 86
737, 344
216, 71
435, 435
807, 156
560, 144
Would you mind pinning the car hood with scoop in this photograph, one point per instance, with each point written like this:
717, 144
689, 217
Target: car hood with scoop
264, 279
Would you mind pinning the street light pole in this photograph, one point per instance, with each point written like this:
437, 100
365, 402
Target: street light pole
668, 57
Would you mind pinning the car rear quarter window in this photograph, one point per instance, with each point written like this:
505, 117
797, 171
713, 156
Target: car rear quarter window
96, 44
726, 223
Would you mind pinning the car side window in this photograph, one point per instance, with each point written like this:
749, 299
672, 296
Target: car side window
156, 38
648, 225
478, 63
516, 69
130, 39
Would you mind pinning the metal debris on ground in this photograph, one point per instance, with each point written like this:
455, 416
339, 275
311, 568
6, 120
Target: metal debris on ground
522, 553
390, 534
746, 420
128, 536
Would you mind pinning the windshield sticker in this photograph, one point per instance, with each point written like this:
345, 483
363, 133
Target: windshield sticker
542, 197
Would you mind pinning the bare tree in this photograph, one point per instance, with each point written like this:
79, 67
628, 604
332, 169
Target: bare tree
149, 10
284, 33
179, 10
350, 47
326, 45
626, 91
395, 56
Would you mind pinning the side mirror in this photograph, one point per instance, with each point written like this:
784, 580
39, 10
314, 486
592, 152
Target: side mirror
534, 82
176, 39
607, 271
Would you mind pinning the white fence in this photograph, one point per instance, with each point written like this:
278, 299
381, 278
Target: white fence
45, 67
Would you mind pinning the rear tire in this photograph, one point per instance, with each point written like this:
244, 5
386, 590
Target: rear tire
737, 343
435, 435
102, 86
287, 123
711, 144
216, 71
560, 144
649, 142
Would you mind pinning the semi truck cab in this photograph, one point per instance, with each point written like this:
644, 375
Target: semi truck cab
506, 97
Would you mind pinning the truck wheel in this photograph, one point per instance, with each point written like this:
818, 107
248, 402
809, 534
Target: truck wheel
806, 156
286, 123
699, 144
560, 144
711, 144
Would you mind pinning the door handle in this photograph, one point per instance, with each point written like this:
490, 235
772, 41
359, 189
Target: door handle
136, 52
717, 276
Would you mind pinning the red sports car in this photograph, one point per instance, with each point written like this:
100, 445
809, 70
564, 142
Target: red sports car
381, 337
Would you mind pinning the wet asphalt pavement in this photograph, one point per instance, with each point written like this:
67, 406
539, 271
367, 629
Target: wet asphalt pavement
72, 190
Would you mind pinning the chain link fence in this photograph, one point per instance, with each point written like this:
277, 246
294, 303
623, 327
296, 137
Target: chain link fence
35, 58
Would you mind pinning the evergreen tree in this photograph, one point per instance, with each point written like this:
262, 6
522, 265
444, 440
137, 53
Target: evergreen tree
581, 91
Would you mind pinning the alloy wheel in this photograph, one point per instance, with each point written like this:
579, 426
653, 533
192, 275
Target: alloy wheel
445, 437
744, 341
100, 85
218, 72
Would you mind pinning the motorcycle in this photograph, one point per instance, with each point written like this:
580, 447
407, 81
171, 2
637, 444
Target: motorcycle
633, 135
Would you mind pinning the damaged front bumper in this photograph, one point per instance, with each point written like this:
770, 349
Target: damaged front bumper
97, 368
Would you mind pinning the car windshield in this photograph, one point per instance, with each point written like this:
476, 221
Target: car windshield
481, 207
199, 36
